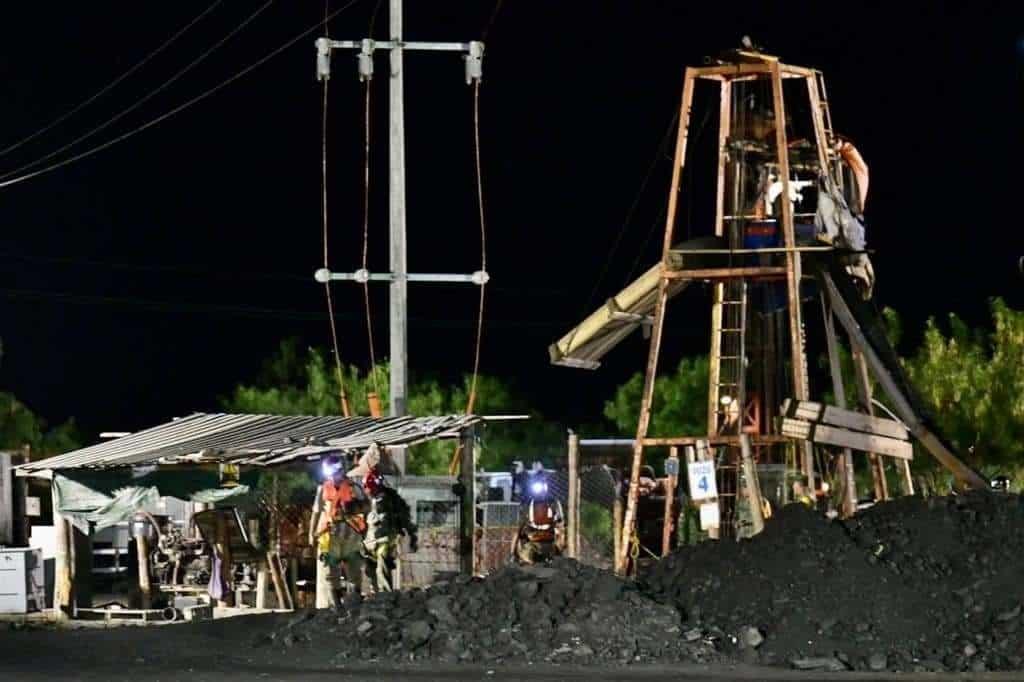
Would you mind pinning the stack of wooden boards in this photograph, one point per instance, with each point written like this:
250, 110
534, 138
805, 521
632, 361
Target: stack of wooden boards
830, 425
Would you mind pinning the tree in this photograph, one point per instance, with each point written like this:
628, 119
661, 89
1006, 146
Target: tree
680, 401
297, 382
973, 381
20, 427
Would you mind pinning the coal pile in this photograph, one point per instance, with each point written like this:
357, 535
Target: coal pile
912, 585
561, 613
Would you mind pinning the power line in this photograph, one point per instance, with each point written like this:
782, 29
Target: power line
113, 84
216, 309
153, 93
666, 136
147, 267
163, 117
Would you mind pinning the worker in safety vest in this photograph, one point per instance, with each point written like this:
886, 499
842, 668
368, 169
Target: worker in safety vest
541, 536
338, 524
388, 519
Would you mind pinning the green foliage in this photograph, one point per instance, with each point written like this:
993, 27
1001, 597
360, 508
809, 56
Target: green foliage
680, 401
974, 382
306, 382
596, 527
19, 427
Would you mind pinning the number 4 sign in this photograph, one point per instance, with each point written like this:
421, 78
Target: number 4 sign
702, 480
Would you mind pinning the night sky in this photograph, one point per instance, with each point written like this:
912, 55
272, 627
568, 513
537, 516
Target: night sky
144, 282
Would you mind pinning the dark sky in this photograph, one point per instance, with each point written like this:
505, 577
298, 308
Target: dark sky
144, 282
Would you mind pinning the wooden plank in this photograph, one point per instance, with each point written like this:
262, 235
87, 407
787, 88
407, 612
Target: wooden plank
756, 439
857, 421
849, 419
833, 435
726, 273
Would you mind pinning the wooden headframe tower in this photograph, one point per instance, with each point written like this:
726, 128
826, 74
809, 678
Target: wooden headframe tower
757, 96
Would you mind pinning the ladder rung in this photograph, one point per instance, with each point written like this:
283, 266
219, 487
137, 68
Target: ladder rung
731, 302
731, 329
728, 357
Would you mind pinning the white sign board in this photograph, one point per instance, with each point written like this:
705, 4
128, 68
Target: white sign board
32, 507
709, 516
702, 480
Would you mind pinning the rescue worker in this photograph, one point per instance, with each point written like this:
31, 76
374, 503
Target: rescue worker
388, 519
337, 526
541, 536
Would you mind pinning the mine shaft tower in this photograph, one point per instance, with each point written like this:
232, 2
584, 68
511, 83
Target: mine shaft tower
756, 270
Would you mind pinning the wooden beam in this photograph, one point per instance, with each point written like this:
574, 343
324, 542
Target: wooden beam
837, 415
63, 564
756, 439
876, 464
849, 501
752, 486
572, 521
467, 505
668, 522
262, 584
629, 516
834, 435
727, 273
793, 275
901, 404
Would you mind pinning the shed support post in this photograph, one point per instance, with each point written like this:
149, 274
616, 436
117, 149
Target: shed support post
467, 506
63, 564
572, 526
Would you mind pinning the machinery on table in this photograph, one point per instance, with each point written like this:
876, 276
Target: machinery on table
786, 215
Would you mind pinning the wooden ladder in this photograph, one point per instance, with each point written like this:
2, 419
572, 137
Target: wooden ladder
728, 354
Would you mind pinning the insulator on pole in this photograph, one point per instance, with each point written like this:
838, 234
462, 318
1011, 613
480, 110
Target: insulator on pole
323, 59
365, 59
474, 62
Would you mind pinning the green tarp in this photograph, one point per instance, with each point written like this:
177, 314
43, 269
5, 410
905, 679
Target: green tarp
106, 498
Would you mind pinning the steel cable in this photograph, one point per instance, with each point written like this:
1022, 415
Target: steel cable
113, 84
176, 110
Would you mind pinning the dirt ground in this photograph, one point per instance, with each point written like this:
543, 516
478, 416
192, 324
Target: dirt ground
224, 650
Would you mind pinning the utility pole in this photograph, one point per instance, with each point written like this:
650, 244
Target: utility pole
399, 276
398, 314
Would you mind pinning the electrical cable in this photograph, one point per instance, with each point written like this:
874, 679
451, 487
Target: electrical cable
632, 209
178, 109
339, 371
145, 98
453, 465
110, 86
366, 232
483, 247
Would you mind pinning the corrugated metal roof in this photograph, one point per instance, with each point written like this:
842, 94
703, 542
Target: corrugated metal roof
254, 439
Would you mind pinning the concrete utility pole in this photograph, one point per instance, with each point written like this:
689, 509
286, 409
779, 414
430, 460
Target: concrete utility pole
399, 277
396, 219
